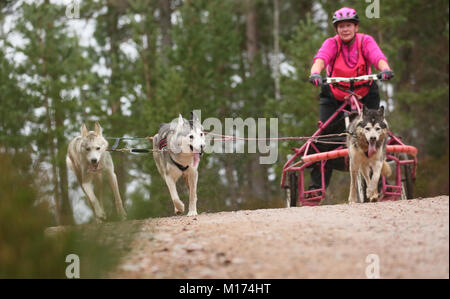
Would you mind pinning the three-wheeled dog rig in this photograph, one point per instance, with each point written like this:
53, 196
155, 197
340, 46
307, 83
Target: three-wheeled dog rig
401, 157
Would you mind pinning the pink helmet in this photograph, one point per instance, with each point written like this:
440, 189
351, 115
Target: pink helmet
345, 14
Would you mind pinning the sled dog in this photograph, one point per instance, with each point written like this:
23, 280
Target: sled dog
366, 144
88, 159
178, 147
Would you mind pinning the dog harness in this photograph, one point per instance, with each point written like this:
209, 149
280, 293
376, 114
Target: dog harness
162, 145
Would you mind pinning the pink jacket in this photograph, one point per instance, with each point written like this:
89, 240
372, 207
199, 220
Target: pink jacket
341, 68
371, 52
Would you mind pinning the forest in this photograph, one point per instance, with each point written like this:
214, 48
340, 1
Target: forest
133, 64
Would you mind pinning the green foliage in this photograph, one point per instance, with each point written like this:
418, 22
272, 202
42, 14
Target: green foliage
25, 252
14, 106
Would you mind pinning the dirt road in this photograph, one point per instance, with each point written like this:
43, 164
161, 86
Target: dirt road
409, 238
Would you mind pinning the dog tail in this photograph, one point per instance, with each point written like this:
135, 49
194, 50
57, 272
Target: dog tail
386, 169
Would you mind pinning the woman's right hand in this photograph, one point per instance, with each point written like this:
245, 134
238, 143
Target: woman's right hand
315, 79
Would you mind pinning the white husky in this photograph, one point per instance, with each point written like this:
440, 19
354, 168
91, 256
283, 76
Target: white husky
180, 144
88, 159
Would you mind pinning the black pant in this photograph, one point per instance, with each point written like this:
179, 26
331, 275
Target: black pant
329, 105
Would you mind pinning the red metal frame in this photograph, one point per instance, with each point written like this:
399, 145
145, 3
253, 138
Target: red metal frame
301, 160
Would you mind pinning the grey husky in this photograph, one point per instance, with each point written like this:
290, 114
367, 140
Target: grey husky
366, 144
178, 146
88, 159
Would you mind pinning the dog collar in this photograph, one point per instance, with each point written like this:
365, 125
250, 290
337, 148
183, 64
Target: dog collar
180, 167
163, 144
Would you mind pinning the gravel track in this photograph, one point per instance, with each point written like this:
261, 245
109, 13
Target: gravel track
410, 239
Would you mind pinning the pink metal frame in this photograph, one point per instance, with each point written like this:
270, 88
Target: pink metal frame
389, 192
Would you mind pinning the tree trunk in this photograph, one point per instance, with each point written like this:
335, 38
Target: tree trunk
165, 23
231, 182
146, 64
53, 159
49, 108
257, 174
115, 93
276, 46
251, 32
66, 212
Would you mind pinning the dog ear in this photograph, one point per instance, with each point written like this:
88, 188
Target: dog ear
353, 115
180, 122
365, 110
381, 111
98, 129
84, 131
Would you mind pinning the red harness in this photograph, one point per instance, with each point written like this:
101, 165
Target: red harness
340, 68
163, 143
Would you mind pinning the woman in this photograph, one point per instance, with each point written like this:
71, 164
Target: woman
347, 54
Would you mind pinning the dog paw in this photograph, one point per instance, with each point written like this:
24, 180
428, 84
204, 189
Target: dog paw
352, 201
372, 195
101, 216
179, 211
123, 215
179, 208
373, 198
99, 220
192, 213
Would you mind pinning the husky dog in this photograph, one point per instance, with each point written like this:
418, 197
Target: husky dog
366, 144
179, 145
87, 158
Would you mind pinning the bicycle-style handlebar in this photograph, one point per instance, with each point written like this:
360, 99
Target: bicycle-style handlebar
355, 105
330, 80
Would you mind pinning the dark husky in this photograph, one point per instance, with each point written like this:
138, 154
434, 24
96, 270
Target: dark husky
366, 144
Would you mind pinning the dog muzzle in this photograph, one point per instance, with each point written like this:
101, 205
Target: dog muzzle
93, 167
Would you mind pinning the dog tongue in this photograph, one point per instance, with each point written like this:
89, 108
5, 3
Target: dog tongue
372, 149
196, 159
